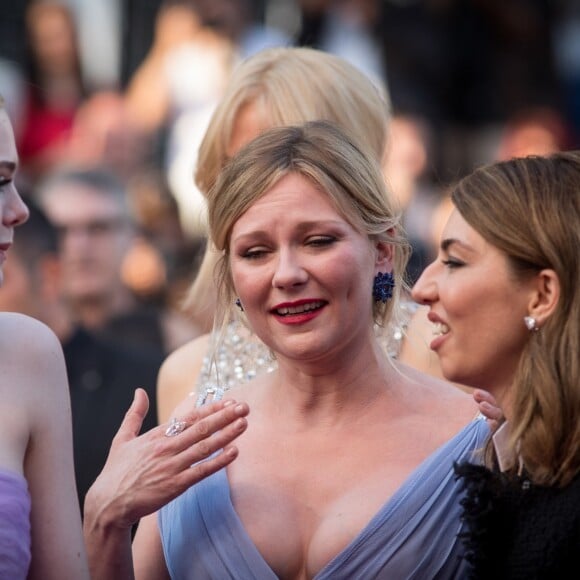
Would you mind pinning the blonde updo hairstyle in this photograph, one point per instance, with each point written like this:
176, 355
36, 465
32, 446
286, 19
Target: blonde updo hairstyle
335, 164
289, 86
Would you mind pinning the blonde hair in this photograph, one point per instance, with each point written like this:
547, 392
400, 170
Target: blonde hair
289, 86
529, 208
336, 165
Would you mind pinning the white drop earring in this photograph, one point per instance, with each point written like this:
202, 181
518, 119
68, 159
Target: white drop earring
531, 323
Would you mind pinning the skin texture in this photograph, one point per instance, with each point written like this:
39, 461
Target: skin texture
35, 421
469, 287
333, 390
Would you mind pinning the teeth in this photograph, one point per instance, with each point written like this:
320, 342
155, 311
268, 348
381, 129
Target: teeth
440, 328
299, 309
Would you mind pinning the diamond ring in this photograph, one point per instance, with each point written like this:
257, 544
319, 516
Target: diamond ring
175, 427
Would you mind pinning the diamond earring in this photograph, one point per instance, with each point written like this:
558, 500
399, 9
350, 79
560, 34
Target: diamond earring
531, 323
239, 304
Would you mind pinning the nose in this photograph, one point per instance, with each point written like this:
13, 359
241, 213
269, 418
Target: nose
289, 271
424, 290
15, 211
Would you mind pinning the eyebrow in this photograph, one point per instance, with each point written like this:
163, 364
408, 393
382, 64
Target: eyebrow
301, 228
448, 242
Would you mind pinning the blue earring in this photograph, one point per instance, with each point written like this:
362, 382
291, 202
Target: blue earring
383, 285
239, 304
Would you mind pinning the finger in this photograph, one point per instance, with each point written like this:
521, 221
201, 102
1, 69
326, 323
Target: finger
189, 412
210, 423
480, 396
490, 411
193, 473
133, 420
208, 446
204, 468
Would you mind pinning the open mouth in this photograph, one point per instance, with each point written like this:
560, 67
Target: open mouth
299, 309
440, 328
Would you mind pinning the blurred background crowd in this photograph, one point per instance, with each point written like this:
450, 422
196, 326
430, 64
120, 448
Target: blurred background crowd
128, 85
110, 99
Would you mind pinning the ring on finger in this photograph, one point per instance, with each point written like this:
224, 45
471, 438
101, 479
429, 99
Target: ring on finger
175, 427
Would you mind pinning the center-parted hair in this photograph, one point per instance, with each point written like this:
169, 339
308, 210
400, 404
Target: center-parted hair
331, 160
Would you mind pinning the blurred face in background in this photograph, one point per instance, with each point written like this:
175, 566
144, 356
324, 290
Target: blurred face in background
95, 236
13, 211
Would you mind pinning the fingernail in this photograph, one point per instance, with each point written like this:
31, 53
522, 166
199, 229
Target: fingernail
228, 402
240, 408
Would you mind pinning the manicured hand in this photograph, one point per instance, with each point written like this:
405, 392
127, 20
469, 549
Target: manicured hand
144, 472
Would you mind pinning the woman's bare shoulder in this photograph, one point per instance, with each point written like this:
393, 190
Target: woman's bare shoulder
439, 394
187, 357
179, 373
33, 367
24, 338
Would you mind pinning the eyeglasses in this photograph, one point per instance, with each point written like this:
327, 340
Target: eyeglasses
93, 228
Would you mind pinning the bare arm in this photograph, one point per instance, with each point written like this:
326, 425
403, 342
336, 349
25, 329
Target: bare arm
144, 472
34, 381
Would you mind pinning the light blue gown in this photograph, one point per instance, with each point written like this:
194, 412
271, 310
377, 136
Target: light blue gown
413, 536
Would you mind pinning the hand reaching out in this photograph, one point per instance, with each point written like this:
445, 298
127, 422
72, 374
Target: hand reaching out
144, 472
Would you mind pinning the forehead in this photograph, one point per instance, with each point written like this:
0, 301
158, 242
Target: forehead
457, 227
7, 144
293, 198
468, 238
71, 201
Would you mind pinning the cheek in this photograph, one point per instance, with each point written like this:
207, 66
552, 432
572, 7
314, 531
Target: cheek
250, 282
346, 273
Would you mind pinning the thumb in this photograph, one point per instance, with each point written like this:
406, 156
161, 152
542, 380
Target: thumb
133, 420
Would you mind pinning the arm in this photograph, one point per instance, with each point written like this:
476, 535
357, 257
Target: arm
178, 376
144, 472
38, 385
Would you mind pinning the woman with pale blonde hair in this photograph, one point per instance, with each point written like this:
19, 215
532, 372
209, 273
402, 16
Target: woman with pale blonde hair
40, 523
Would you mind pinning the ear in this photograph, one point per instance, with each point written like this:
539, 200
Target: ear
384, 254
545, 295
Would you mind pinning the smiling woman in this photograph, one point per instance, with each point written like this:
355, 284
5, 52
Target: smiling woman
40, 525
505, 296
314, 279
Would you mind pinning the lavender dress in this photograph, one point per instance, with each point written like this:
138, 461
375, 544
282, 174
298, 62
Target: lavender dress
14, 526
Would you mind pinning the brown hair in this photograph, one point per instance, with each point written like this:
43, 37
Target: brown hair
529, 208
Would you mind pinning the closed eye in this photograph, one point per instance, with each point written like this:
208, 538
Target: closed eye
321, 241
451, 263
254, 253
